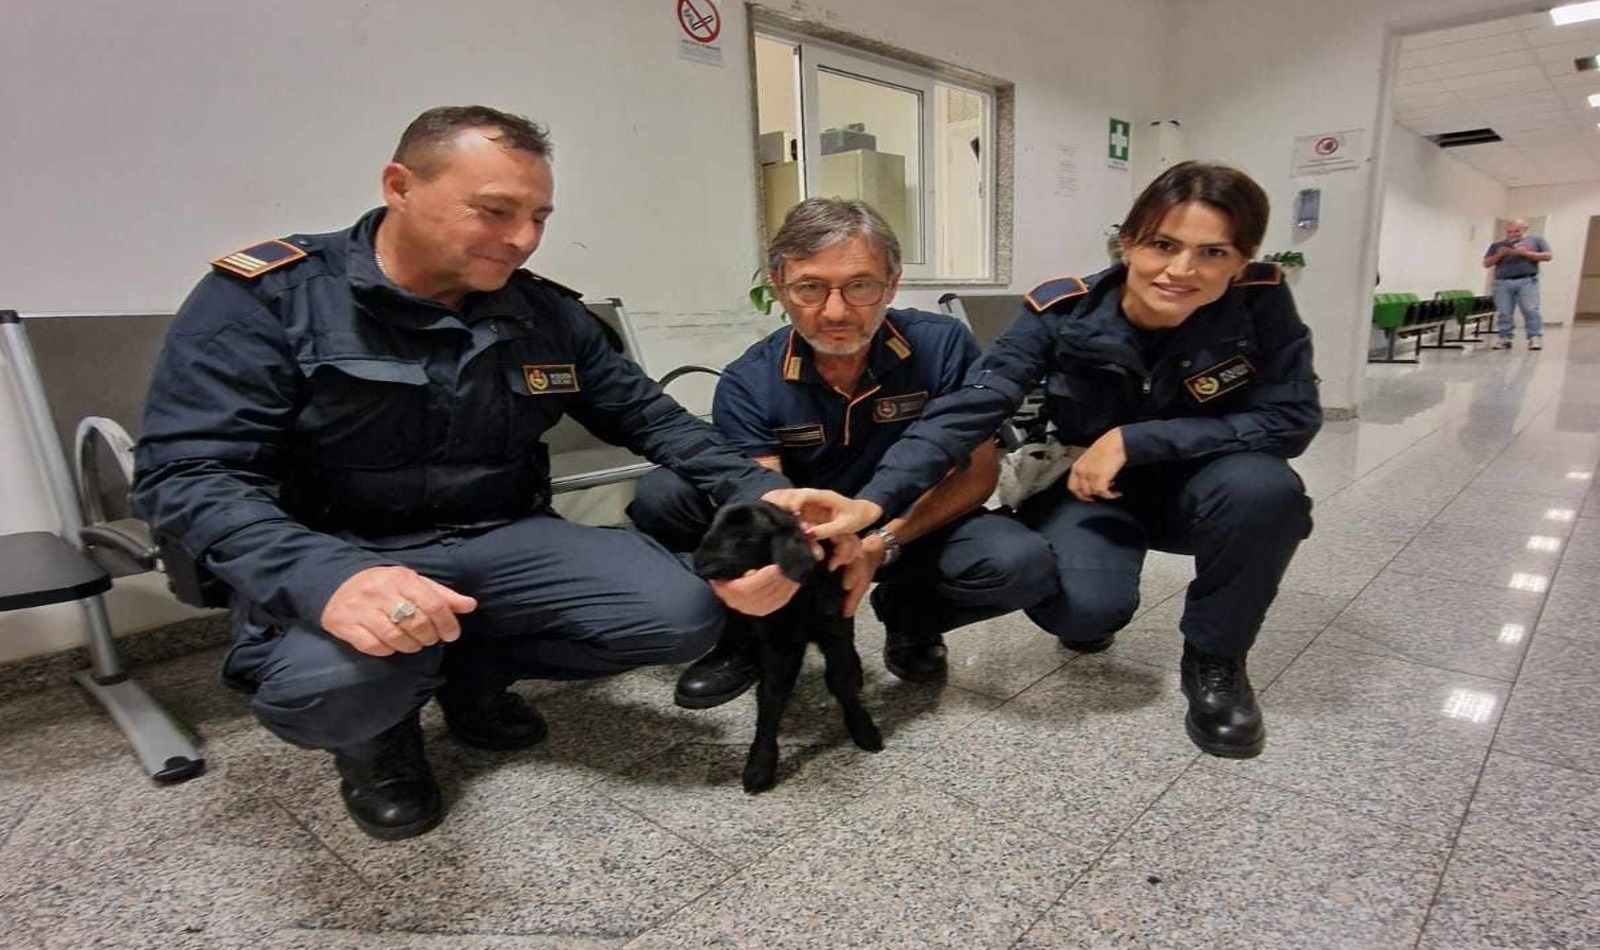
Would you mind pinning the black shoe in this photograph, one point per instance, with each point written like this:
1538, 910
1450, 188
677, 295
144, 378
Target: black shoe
501, 721
1090, 646
1223, 716
387, 786
722, 675
908, 652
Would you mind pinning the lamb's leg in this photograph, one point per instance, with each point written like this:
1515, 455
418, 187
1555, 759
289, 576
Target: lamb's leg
844, 678
780, 668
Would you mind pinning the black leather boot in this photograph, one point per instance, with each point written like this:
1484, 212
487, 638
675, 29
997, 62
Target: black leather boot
1223, 716
500, 720
1090, 646
722, 675
387, 786
911, 650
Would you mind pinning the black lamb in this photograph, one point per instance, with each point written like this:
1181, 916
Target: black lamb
746, 537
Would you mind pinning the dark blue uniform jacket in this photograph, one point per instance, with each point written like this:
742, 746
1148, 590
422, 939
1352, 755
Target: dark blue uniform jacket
772, 402
1234, 377
298, 417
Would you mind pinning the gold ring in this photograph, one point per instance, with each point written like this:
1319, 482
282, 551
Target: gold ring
401, 611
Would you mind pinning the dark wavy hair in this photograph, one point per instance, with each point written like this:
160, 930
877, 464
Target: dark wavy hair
1225, 189
426, 142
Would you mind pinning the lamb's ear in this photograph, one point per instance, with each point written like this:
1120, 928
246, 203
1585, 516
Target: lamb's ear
792, 553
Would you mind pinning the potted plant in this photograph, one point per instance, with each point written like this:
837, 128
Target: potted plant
1113, 237
763, 296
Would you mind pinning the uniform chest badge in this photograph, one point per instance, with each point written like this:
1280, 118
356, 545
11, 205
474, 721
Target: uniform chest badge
1220, 379
543, 379
899, 408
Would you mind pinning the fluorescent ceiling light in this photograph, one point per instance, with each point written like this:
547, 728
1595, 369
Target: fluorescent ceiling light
1575, 13
1594, 100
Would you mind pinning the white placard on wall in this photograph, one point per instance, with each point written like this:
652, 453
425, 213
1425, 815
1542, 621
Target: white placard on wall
1328, 152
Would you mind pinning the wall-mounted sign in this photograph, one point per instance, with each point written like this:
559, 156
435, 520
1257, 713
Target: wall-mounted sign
1329, 152
700, 26
1118, 141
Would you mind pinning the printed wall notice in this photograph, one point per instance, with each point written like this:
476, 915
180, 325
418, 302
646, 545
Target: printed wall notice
700, 31
1328, 152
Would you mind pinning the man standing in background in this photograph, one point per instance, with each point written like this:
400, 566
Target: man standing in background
1516, 282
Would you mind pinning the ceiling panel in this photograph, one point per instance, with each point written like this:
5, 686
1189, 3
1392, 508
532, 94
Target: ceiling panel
1469, 49
1516, 76
1465, 67
1460, 34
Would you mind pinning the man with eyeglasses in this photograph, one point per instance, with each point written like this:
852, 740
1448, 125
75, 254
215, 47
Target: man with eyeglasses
821, 401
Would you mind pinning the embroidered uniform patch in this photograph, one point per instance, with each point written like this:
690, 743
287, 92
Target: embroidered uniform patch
547, 378
1220, 379
259, 259
794, 437
1052, 292
899, 408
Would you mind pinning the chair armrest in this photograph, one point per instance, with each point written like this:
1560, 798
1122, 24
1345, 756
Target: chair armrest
604, 476
121, 547
685, 371
94, 431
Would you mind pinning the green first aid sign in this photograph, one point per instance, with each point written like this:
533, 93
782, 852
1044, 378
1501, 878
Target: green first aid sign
1118, 143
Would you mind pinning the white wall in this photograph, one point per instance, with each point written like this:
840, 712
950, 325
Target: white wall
1249, 76
1567, 209
144, 139
1438, 217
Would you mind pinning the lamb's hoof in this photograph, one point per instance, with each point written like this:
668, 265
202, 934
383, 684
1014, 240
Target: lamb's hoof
757, 781
760, 771
868, 738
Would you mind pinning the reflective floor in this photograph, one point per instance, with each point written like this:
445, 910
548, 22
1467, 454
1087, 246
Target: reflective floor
1431, 778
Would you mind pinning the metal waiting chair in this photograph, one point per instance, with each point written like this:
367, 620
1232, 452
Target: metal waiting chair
57, 567
988, 316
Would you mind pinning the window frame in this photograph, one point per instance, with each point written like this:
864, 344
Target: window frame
826, 48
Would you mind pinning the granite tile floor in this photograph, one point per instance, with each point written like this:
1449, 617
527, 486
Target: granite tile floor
1432, 776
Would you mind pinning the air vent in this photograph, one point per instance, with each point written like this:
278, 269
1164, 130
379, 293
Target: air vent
1464, 137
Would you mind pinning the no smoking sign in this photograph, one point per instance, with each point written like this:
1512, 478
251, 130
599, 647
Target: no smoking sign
700, 19
700, 23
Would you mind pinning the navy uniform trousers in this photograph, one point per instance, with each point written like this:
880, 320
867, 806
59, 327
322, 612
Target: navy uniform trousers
556, 600
1241, 515
979, 566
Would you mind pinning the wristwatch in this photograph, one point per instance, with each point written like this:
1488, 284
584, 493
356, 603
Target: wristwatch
891, 545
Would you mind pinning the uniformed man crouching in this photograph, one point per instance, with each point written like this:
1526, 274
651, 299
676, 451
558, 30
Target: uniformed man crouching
346, 428
822, 400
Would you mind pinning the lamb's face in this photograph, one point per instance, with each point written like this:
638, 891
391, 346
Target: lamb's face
747, 537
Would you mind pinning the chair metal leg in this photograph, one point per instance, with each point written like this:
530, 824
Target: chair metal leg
167, 753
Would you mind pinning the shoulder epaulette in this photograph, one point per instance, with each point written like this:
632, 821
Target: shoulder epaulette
1260, 274
1052, 292
558, 288
259, 259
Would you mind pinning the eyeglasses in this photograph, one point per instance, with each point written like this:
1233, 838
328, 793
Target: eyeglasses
861, 292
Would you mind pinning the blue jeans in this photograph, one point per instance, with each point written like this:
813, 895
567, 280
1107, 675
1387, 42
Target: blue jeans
1510, 292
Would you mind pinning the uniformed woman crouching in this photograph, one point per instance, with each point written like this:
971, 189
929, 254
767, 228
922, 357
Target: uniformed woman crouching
1183, 376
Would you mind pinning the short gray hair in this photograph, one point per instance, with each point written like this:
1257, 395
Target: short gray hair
816, 224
